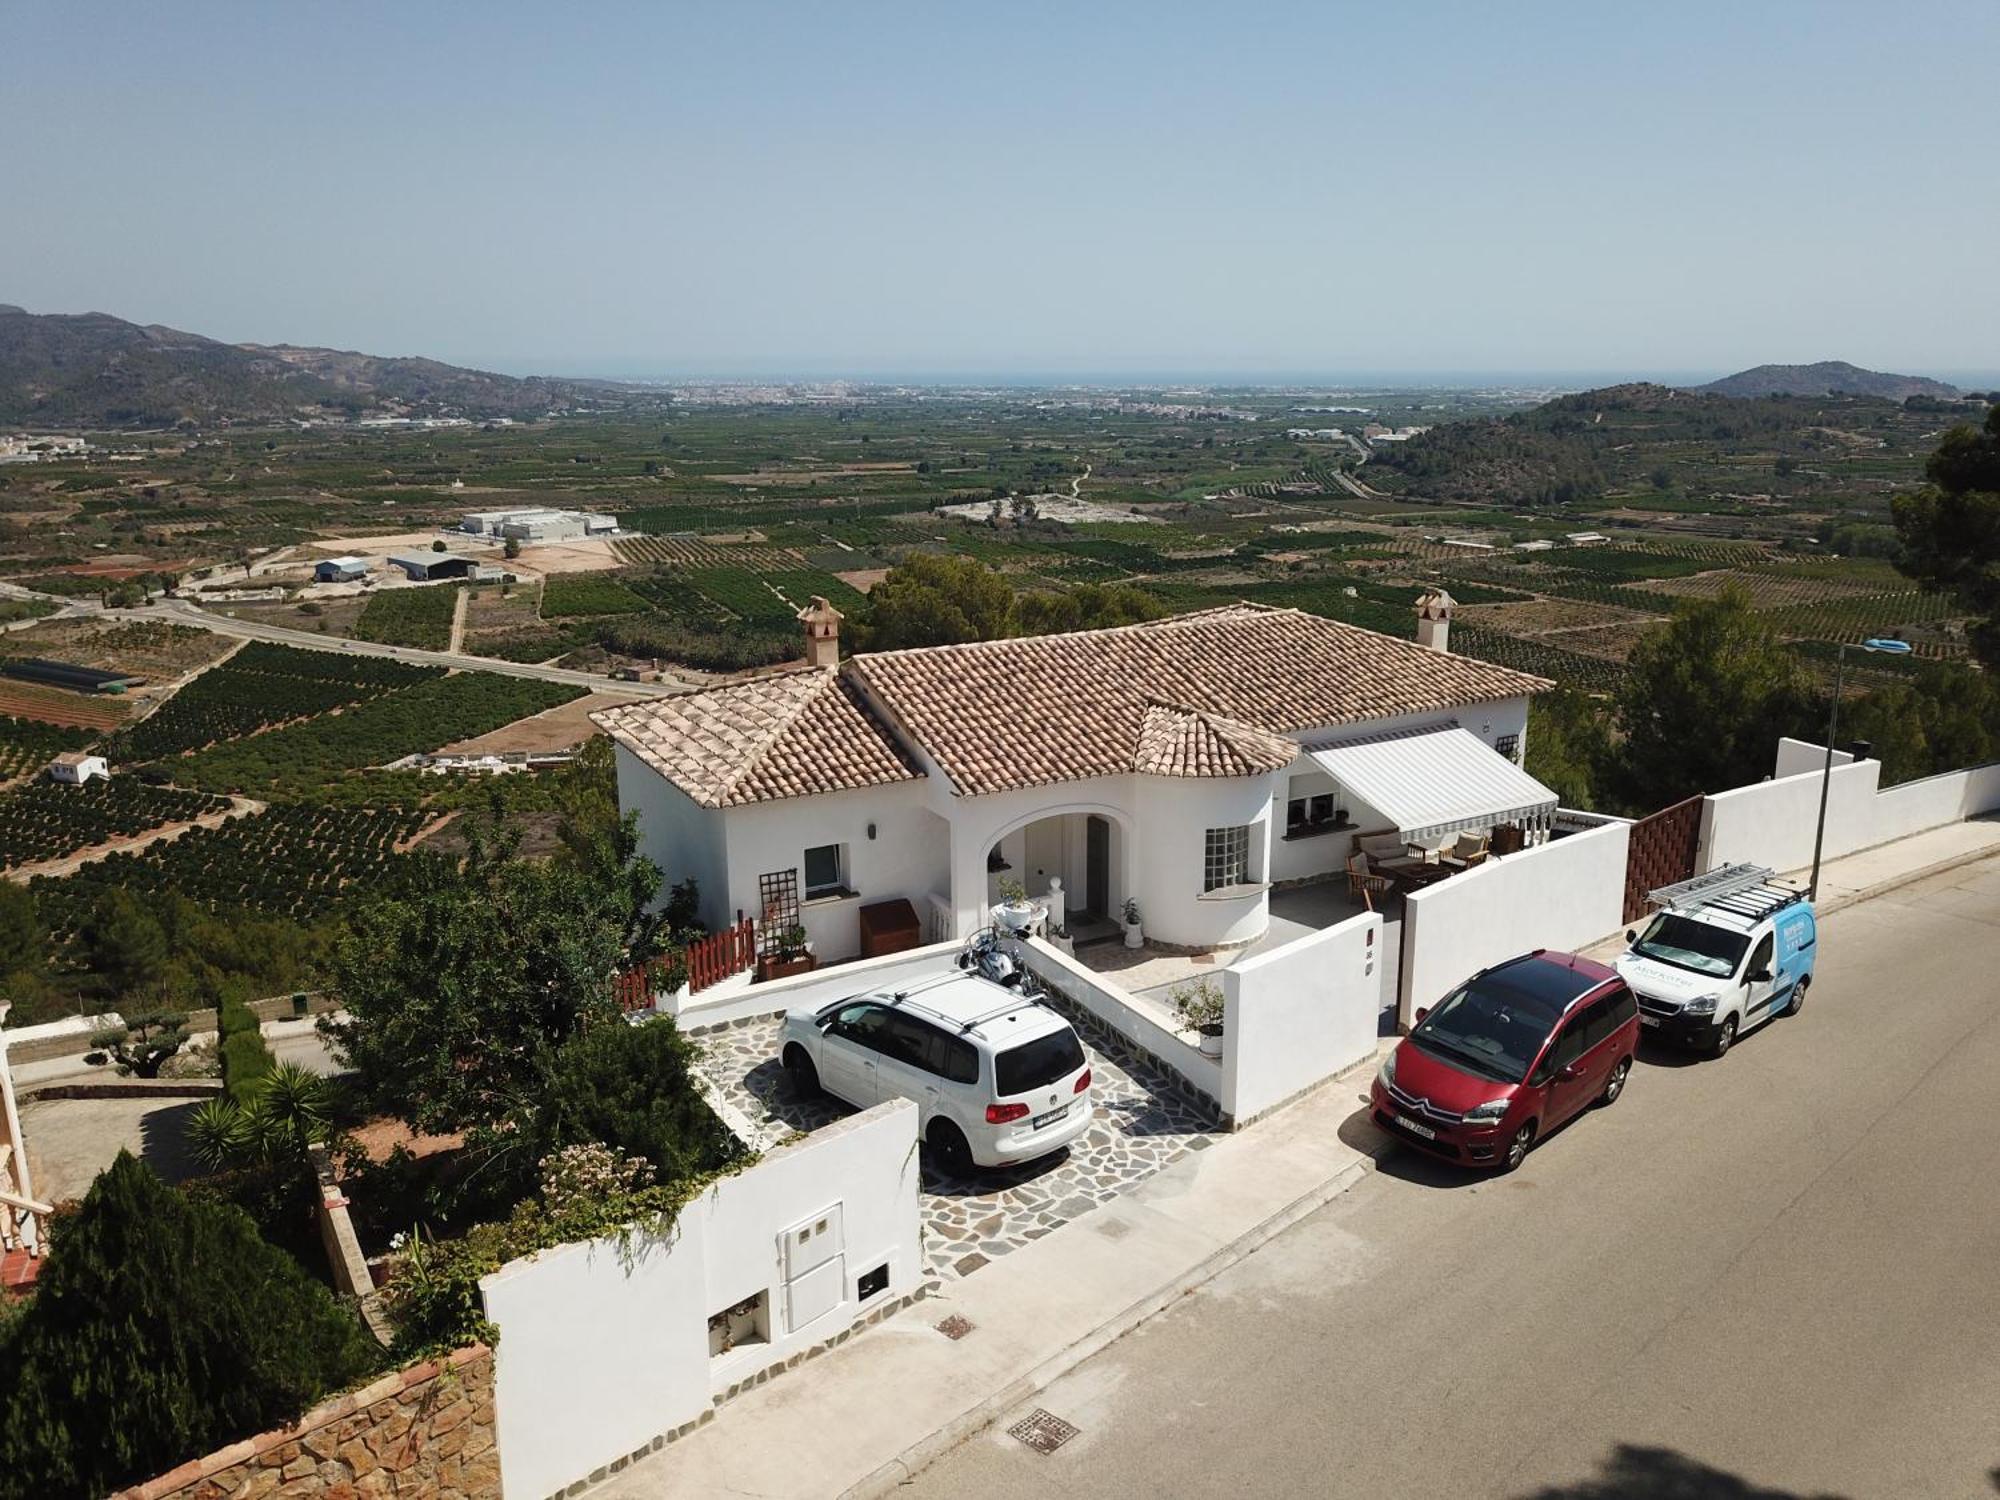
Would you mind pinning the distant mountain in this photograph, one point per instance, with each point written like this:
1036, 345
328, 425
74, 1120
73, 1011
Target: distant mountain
94, 370
1830, 377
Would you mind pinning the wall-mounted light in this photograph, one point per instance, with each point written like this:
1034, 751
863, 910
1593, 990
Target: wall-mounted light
871, 830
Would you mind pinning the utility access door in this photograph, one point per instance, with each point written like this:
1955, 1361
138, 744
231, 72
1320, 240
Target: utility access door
812, 1258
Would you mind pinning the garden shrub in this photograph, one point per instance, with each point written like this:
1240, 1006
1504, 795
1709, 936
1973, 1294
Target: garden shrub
246, 1057
633, 1088
162, 1327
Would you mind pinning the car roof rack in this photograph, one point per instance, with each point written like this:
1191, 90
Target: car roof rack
937, 981
1745, 891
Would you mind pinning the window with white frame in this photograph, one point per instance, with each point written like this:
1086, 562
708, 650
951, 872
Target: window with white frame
1225, 857
826, 871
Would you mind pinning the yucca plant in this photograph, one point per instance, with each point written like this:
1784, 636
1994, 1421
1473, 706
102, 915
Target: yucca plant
218, 1134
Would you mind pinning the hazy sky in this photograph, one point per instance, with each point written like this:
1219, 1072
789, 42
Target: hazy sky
1087, 187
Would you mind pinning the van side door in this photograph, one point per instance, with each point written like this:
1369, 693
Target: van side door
1760, 981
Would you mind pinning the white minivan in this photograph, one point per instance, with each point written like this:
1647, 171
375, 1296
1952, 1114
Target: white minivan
999, 1078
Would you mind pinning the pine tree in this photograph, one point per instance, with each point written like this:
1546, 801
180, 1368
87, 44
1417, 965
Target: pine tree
162, 1327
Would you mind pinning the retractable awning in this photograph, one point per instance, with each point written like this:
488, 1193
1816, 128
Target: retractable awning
1437, 782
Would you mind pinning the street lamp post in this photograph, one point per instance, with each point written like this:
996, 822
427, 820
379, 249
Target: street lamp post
1874, 643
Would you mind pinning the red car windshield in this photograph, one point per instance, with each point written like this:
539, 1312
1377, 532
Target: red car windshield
1490, 1028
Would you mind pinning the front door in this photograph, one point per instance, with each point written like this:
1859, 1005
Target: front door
1760, 982
1568, 1095
847, 1057
1097, 866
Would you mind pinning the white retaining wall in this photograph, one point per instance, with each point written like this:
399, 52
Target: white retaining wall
1566, 894
1143, 1021
1299, 1014
738, 998
604, 1346
1772, 822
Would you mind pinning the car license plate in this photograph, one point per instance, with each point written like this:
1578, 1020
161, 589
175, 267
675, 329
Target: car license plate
1050, 1118
1646, 1020
1415, 1129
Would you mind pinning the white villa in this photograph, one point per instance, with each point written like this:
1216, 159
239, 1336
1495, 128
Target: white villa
1192, 764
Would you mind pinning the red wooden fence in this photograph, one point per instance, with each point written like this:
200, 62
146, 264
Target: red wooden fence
714, 958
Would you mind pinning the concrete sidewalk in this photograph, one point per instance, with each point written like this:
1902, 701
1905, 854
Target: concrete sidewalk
860, 1419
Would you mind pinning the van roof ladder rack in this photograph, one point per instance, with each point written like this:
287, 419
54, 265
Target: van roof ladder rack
1705, 890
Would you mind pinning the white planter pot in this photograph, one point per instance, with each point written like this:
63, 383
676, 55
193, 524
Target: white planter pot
1135, 935
1064, 945
1211, 1046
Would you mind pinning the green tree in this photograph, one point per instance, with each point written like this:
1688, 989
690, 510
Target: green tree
1569, 747
1944, 718
459, 994
1089, 606
23, 938
1950, 529
125, 942
162, 1327
1705, 699
144, 1043
934, 600
633, 1087
511, 547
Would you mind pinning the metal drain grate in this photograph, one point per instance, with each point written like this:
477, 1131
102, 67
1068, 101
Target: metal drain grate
954, 1327
1043, 1431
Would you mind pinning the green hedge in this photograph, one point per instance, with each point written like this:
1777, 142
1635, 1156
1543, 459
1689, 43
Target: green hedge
246, 1058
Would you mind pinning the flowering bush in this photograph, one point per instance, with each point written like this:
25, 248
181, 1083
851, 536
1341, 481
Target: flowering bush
582, 1177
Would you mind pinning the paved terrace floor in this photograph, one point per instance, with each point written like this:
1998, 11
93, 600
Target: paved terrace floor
1295, 913
1142, 1122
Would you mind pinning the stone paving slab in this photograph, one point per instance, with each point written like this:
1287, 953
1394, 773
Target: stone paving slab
1140, 1123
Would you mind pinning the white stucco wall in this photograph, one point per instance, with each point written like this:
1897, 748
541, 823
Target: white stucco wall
1772, 822
1174, 816
604, 1345
1566, 894
908, 856
1140, 1018
737, 1002
685, 840
1297, 1015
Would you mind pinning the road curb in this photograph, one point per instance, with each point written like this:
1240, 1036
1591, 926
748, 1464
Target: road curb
927, 1450
1908, 877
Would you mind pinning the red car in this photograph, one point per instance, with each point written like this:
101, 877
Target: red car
1506, 1058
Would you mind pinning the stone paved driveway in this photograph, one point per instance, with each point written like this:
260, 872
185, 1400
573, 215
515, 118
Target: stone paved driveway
1142, 1123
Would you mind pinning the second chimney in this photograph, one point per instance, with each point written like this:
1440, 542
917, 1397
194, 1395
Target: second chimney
822, 623
1434, 608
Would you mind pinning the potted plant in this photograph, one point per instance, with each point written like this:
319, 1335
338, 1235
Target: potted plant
792, 954
1198, 1006
1135, 935
1015, 913
1060, 938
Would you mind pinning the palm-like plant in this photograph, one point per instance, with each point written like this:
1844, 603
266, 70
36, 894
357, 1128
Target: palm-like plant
217, 1134
292, 1111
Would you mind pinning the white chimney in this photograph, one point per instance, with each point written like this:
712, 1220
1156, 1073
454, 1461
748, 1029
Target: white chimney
822, 623
1434, 607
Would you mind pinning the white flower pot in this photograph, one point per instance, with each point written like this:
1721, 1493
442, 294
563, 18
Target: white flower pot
1211, 1043
1135, 935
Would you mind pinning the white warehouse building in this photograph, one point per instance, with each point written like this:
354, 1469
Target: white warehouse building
538, 525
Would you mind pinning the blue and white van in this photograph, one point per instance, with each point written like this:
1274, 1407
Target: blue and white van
1725, 952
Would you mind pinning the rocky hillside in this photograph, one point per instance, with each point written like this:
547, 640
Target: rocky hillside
1830, 377
94, 370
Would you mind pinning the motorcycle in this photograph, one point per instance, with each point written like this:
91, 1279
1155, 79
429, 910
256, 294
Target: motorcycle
985, 954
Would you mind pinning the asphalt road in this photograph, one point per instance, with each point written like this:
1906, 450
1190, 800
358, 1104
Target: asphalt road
1773, 1276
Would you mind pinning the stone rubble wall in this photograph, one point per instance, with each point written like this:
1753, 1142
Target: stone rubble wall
423, 1431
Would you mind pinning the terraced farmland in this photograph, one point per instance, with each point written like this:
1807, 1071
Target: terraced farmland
41, 820
292, 861
261, 685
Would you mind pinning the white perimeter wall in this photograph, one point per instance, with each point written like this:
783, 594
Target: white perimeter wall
604, 1345
1141, 1019
1772, 823
738, 999
1297, 1015
1565, 894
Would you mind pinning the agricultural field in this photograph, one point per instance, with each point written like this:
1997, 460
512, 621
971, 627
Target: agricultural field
96, 712
261, 685
157, 652
417, 616
303, 759
567, 594
290, 861
41, 820
26, 745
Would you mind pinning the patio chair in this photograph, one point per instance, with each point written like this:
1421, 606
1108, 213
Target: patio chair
1363, 883
1465, 851
1387, 853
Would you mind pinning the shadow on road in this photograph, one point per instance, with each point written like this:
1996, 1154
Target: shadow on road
1635, 1473
165, 1149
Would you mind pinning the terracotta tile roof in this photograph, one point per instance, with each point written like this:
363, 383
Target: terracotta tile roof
1003, 715
1184, 742
791, 735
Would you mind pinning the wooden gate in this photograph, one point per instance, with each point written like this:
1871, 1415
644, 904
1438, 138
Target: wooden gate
1662, 851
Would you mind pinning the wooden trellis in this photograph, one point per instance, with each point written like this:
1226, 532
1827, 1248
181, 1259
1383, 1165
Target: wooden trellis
777, 910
